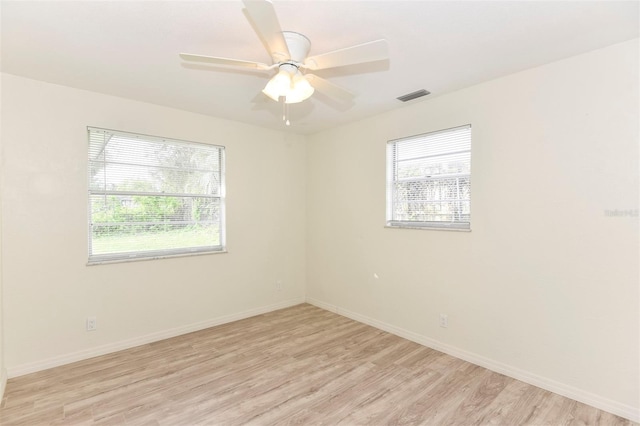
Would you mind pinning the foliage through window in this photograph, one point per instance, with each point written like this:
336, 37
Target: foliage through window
429, 180
153, 197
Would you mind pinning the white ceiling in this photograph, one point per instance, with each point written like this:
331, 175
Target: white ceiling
130, 48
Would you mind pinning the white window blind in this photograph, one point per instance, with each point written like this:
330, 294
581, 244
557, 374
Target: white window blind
153, 197
429, 180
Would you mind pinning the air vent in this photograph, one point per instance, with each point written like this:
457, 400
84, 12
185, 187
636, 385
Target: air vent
413, 95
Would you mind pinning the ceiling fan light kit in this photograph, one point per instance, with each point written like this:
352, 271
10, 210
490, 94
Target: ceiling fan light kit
289, 52
290, 84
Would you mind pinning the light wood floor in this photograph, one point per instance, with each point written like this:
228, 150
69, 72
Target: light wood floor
301, 365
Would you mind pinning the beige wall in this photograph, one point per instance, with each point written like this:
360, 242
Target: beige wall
48, 288
546, 285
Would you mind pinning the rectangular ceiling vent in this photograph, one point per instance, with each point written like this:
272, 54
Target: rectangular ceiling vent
413, 95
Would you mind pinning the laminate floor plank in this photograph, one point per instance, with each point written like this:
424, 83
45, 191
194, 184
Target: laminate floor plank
296, 366
500, 409
527, 408
468, 411
444, 397
388, 408
555, 410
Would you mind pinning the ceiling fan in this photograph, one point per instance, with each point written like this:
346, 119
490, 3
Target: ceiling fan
289, 52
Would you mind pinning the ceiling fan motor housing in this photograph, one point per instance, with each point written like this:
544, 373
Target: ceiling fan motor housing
298, 45
292, 69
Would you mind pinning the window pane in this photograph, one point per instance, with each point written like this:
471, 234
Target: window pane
429, 179
433, 200
155, 195
132, 238
130, 177
444, 164
139, 223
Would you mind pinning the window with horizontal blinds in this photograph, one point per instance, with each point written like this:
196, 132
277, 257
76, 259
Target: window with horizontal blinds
429, 180
153, 197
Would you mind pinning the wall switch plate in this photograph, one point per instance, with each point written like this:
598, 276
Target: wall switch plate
279, 285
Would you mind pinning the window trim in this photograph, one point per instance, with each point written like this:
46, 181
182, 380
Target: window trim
100, 259
155, 257
391, 180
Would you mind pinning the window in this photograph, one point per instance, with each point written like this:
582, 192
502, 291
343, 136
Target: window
429, 180
153, 197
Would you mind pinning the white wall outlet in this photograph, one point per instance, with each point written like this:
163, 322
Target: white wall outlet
92, 323
279, 285
444, 321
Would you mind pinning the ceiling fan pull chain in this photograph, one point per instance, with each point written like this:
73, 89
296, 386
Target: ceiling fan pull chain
286, 108
285, 112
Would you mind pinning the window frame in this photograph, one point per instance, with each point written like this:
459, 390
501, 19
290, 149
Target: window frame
392, 180
127, 256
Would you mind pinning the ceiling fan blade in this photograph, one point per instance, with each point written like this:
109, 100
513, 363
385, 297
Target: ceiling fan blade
377, 50
332, 90
265, 22
224, 61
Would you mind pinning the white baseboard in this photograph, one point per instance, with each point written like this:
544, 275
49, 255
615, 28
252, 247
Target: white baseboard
3, 382
20, 370
597, 401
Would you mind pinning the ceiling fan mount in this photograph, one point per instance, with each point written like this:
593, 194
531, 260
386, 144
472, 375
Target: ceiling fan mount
298, 46
289, 52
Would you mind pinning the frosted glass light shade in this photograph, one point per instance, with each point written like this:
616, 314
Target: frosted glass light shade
279, 85
301, 90
289, 83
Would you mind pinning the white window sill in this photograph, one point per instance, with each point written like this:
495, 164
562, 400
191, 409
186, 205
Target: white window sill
427, 228
140, 259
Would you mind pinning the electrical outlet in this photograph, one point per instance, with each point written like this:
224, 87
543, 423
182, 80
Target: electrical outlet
92, 324
444, 321
279, 285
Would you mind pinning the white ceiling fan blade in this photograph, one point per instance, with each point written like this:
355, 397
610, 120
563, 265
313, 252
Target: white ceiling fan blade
377, 50
265, 23
332, 90
225, 61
